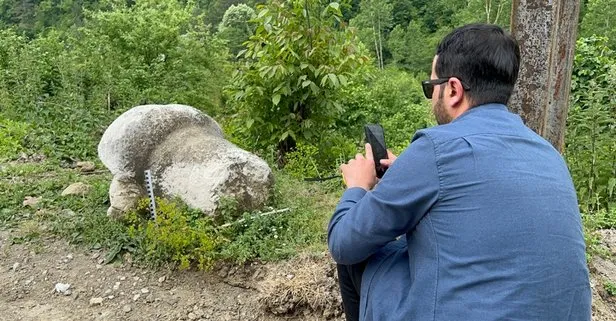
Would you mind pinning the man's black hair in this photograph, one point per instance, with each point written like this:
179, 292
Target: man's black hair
485, 58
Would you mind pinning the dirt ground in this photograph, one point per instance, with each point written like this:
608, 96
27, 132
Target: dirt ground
300, 289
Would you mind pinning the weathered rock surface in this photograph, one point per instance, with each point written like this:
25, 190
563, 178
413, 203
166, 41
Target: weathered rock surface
79, 188
187, 155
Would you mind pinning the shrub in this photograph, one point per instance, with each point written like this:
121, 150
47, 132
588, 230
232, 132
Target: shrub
12, 134
177, 235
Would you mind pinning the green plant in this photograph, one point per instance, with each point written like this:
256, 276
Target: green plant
12, 134
591, 126
235, 28
610, 288
301, 162
294, 66
592, 238
177, 235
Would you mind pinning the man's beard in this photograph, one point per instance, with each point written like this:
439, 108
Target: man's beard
440, 113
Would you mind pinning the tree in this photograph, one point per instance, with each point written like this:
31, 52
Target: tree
299, 57
155, 51
600, 20
546, 33
486, 11
412, 48
235, 27
374, 19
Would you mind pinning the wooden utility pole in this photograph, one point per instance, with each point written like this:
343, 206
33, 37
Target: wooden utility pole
546, 31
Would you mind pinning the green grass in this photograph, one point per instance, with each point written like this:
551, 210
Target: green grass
83, 220
592, 222
610, 288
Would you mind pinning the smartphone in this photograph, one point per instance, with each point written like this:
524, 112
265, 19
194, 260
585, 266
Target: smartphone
376, 138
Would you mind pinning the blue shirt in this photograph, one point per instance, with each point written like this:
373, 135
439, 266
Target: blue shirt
489, 224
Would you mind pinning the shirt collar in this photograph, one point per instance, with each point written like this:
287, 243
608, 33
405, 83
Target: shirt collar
482, 108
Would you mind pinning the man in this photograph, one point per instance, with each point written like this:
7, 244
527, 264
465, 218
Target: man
476, 220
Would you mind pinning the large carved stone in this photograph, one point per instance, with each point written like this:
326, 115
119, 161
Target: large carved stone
187, 155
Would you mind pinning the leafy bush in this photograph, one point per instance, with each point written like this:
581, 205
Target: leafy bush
177, 235
301, 162
395, 100
12, 134
235, 27
591, 125
72, 84
610, 288
296, 62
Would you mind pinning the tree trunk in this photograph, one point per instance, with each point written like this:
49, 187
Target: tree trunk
546, 31
381, 65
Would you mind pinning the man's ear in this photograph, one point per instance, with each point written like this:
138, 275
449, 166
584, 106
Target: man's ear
456, 92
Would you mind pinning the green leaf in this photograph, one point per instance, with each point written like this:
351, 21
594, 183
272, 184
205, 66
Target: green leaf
276, 99
333, 79
315, 88
335, 5
249, 123
306, 83
343, 80
610, 186
262, 13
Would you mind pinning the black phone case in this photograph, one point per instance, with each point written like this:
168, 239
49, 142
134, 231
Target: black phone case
376, 138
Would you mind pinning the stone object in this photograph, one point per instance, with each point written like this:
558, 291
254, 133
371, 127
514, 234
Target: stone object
188, 156
96, 301
79, 188
31, 201
85, 167
63, 288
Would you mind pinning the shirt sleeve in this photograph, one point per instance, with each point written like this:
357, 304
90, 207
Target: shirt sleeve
365, 221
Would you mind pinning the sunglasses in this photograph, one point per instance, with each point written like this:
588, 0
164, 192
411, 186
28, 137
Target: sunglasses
428, 85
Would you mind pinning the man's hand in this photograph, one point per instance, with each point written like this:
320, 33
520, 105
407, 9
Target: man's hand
390, 159
360, 172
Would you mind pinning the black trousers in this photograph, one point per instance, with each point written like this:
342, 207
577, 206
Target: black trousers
349, 277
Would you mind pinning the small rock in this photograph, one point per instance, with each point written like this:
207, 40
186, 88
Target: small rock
290, 276
192, 316
15, 266
111, 297
31, 201
69, 257
96, 301
162, 279
116, 286
198, 312
172, 301
122, 278
145, 290
126, 308
67, 212
108, 291
136, 297
95, 255
77, 189
62, 288
149, 298
85, 166
98, 266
